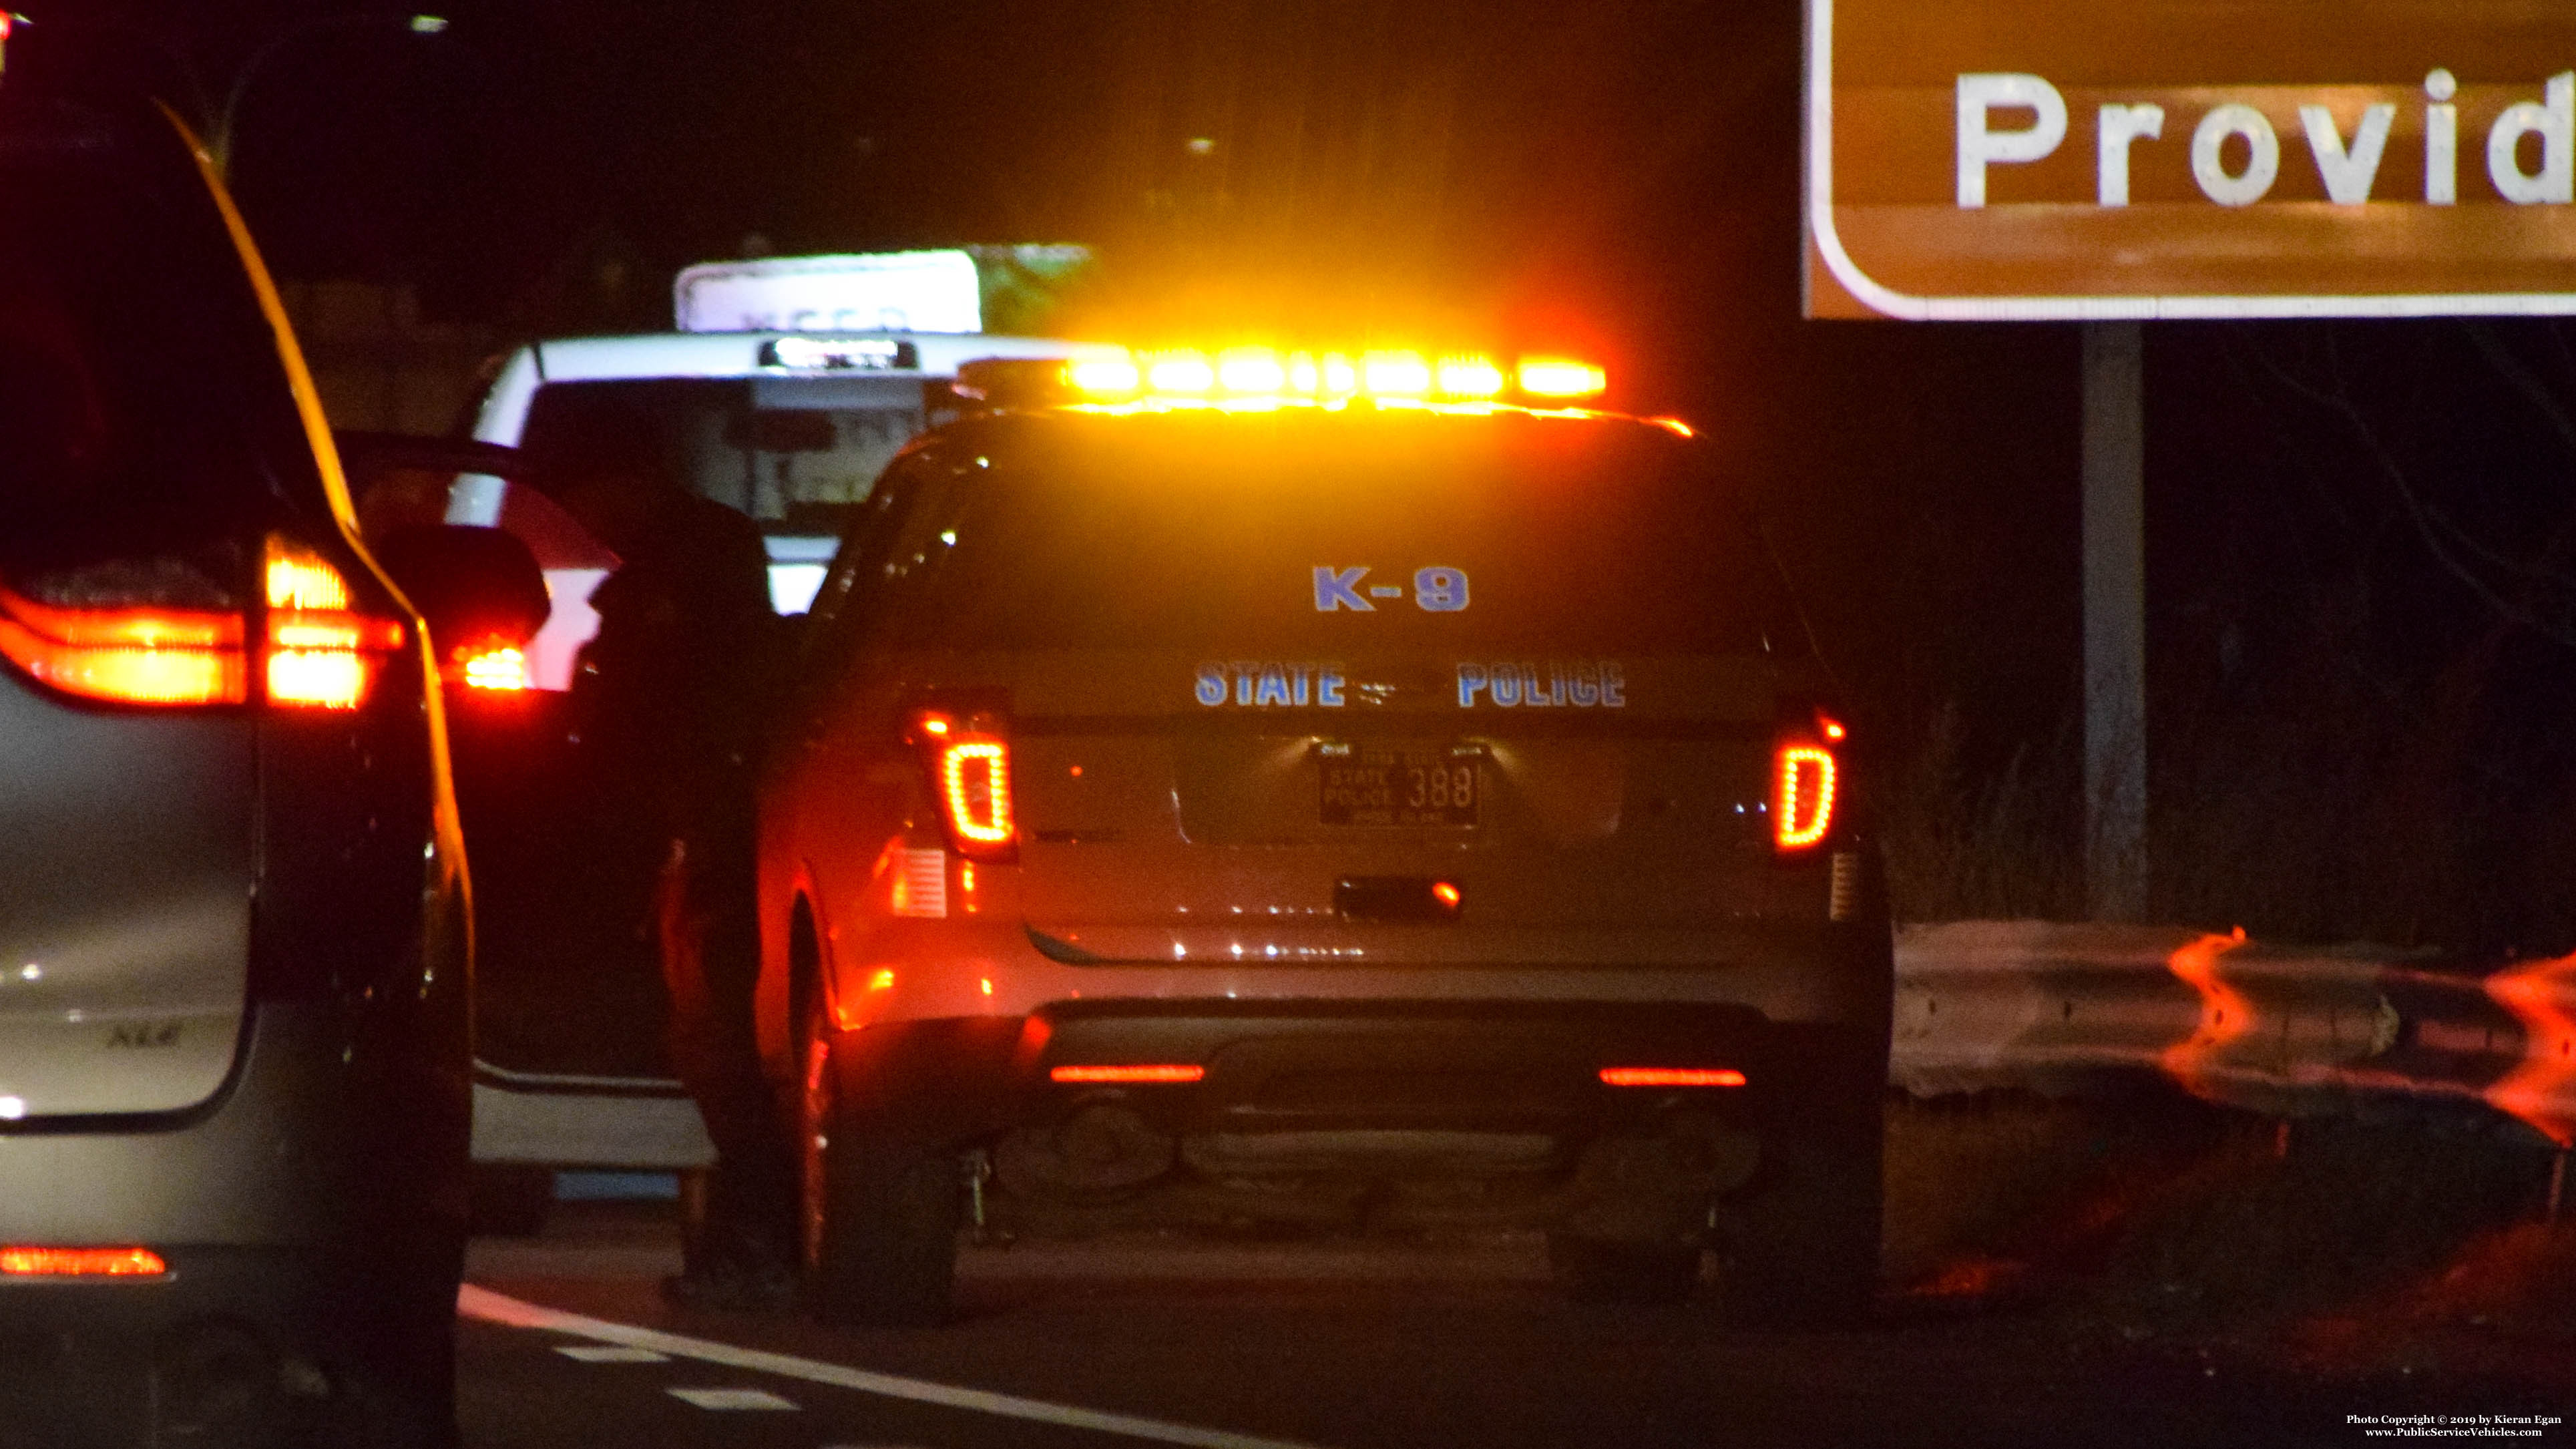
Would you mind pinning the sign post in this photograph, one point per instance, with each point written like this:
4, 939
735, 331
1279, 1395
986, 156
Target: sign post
2067, 161
2115, 622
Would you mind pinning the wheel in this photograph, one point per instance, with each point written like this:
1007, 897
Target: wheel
881, 1207
1805, 1253
1597, 1271
512, 1201
393, 1378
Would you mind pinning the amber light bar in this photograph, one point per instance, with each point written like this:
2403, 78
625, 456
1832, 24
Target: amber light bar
1672, 1077
1152, 1072
81, 1263
1269, 375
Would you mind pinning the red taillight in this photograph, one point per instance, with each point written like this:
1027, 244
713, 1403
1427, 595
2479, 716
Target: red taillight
970, 770
1802, 795
1671, 1077
1805, 773
975, 785
17, 1262
318, 651
321, 653
500, 667
1149, 1072
128, 655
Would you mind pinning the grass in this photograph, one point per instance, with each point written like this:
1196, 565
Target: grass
2365, 1246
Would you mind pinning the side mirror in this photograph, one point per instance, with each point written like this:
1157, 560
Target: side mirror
479, 589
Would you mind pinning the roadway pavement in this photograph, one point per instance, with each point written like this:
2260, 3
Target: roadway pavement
565, 1342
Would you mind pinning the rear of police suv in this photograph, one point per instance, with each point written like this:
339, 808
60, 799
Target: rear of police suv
1370, 816
232, 936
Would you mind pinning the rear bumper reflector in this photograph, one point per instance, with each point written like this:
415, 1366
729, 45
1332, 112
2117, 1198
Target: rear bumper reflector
1671, 1077
1160, 1072
19, 1262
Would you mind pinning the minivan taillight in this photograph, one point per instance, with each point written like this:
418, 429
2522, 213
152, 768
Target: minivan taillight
127, 655
322, 654
316, 650
969, 759
1805, 778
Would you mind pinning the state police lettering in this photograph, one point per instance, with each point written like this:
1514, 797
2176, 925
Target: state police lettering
1271, 684
1576, 684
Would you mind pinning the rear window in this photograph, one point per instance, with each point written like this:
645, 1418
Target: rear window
796, 453
1302, 533
146, 426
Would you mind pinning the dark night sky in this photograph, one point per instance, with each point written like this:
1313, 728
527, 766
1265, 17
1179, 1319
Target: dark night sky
1622, 175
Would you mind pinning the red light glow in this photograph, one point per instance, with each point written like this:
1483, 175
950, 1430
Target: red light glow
19, 1262
2225, 1015
2541, 1091
500, 667
1671, 1077
1446, 894
1154, 1072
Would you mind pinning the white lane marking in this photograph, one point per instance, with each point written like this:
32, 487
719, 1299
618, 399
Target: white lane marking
491, 1307
731, 1398
610, 1353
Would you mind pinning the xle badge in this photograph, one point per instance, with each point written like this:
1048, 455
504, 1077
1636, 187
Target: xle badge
144, 1034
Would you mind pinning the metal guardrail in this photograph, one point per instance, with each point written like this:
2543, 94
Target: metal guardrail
2292, 1032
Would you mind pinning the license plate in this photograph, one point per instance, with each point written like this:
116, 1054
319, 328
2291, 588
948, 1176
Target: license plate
1432, 787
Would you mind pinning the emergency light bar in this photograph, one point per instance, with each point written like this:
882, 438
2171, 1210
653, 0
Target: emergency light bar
1267, 375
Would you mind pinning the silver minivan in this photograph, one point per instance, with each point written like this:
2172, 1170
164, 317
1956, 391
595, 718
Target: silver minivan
233, 937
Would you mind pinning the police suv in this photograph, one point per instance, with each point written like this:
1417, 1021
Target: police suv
1346, 791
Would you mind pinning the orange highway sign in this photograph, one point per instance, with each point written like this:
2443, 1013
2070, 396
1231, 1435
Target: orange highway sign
1980, 160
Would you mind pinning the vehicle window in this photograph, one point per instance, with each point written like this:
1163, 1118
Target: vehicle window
143, 409
796, 453
1392, 537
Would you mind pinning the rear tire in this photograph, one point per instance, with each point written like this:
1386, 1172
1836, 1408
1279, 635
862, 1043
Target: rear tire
889, 1240
1597, 1271
881, 1207
1806, 1251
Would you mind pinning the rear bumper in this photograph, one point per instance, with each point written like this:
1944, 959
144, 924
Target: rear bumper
272, 1161
1427, 1067
1811, 973
958, 1023
1340, 1067
309, 1204
282, 1294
